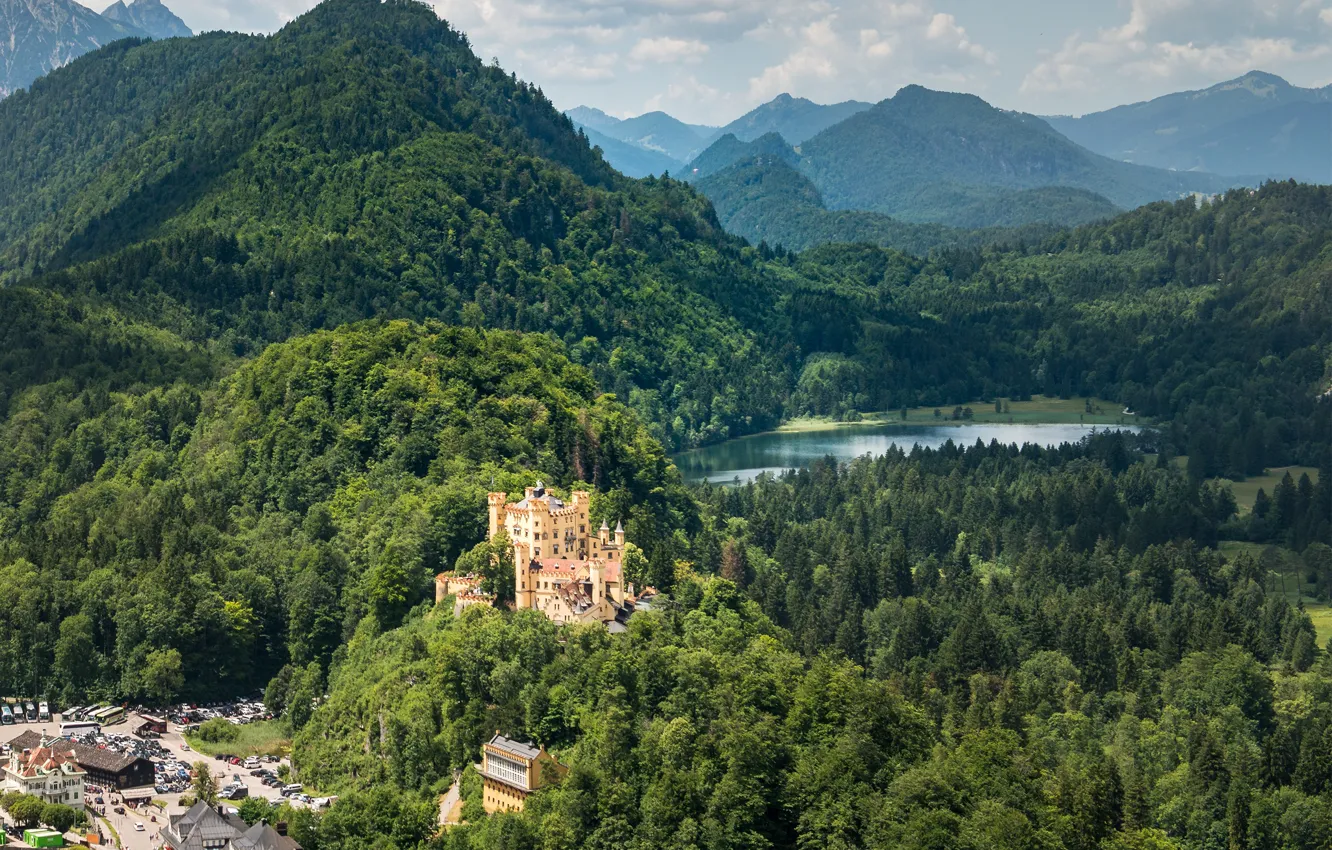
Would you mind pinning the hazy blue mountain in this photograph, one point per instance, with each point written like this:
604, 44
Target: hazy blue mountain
1256, 124
661, 132
794, 118
630, 159
1294, 140
908, 155
42, 35
648, 144
150, 16
766, 198
588, 116
728, 150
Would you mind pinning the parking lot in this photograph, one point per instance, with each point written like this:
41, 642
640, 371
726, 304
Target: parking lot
170, 755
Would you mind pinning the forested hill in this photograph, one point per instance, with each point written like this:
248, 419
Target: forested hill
194, 536
363, 162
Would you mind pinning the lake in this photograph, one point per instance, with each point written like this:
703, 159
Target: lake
777, 451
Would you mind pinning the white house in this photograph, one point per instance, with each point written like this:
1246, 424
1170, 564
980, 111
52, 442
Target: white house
47, 772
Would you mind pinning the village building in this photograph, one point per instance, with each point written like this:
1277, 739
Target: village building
48, 771
121, 771
204, 827
562, 567
512, 770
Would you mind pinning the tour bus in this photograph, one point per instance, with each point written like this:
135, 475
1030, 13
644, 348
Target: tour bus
77, 730
6, 716
107, 716
32, 713
71, 713
43, 711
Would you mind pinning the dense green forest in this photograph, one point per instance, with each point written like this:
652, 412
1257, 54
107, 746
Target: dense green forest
984, 647
282, 310
910, 155
767, 200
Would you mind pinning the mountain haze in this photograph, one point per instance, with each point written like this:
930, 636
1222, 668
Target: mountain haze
652, 131
42, 35
795, 119
909, 153
628, 158
1255, 124
150, 16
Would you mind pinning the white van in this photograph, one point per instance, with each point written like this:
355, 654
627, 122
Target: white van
294, 788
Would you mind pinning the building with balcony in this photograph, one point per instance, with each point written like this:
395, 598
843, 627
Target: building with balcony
48, 771
512, 770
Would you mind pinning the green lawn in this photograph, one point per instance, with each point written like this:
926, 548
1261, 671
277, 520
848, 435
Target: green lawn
1246, 491
267, 737
1040, 410
1286, 578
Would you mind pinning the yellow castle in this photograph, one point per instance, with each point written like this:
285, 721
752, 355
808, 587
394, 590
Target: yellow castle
561, 567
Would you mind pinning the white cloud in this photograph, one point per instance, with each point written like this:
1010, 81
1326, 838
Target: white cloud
837, 55
1184, 42
666, 49
814, 58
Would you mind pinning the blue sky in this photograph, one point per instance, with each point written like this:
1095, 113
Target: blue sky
708, 61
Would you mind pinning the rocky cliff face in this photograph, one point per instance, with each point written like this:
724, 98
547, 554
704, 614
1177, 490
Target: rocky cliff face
38, 36
150, 16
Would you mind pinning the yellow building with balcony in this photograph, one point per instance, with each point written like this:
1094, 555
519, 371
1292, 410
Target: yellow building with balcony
512, 770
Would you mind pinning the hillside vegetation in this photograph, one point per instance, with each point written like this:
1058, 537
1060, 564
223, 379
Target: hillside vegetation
880, 159
285, 309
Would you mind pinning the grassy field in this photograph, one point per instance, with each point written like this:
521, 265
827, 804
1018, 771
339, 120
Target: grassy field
1246, 491
1040, 410
267, 737
1286, 578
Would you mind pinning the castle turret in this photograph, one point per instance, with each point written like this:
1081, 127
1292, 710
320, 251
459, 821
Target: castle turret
597, 578
604, 534
619, 534
496, 501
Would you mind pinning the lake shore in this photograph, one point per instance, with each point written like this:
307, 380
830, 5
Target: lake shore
1041, 410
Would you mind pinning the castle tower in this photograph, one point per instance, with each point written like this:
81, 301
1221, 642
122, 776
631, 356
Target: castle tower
619, 534
597, 577
496, 501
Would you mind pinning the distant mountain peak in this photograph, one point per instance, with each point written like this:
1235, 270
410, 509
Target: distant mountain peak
1260, 83
43, 35
150, 16
590, 116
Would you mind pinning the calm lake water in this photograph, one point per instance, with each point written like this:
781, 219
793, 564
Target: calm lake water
778, 451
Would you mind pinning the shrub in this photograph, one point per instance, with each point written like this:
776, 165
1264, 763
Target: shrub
218, 731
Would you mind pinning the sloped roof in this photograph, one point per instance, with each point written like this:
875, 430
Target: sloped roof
261, 836
517, 748
203, 824
102, 759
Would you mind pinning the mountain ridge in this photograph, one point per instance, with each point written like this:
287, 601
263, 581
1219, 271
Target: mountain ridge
150, 16
48, 34
1205, 129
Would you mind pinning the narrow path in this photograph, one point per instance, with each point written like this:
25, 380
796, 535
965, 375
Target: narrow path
451, 801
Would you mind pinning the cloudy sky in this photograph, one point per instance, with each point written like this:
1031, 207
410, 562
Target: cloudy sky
709, 61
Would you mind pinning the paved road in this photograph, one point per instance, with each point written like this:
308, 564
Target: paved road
448, 801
